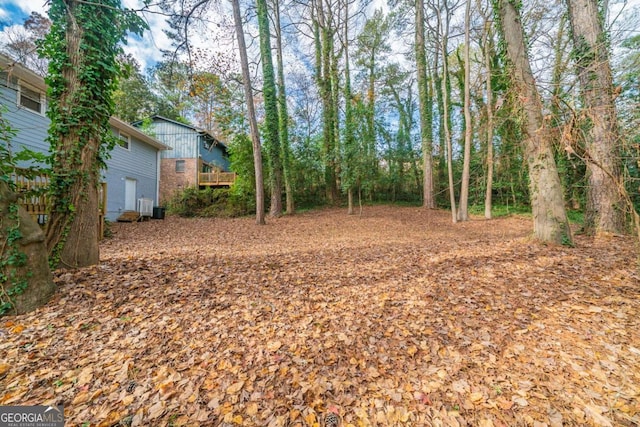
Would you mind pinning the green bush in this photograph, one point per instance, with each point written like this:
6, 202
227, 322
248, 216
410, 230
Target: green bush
209, 202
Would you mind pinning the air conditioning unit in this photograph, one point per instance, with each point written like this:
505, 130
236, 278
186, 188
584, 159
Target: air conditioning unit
145, 207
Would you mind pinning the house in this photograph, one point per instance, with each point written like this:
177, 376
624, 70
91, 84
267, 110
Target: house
133, 171
197, 158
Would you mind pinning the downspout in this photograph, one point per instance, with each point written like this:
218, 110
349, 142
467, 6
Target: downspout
158, 159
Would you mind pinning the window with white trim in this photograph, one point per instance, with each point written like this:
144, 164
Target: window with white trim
31, 99
124, 140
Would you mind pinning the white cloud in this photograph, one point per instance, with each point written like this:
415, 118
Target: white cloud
146, 50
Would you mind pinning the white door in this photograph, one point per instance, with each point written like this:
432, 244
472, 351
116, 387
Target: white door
130, 194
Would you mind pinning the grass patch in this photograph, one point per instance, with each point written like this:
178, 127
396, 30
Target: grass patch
498, 211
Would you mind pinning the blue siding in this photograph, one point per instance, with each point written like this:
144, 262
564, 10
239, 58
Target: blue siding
187, 143
32, 127
178, 137
214, 156
139, 162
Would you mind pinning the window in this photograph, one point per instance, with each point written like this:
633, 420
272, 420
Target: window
123, 140
179, 166
30, 99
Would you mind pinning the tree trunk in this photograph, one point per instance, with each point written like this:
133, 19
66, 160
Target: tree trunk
283, 117
426, 106
323, 36
487, 62
550, 222
82, 45
463, 211
604, 211
487, 42
253, 123
72, 229
446, 118
348, 144
272, 135
34, 277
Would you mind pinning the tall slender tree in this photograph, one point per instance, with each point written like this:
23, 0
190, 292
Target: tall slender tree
463, 211
372, 45
283, 115
348, 146
426, 107
487, 50
253, 123
269, 92
443, 24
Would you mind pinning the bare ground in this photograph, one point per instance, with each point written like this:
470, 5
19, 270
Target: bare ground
397, 317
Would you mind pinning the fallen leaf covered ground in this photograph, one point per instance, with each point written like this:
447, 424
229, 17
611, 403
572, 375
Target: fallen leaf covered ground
395, 318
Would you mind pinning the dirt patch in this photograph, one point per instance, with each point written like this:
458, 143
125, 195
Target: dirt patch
397, 317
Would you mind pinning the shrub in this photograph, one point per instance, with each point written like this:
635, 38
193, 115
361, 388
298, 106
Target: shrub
209, 202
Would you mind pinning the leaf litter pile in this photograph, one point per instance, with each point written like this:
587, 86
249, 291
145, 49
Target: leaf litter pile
394, 318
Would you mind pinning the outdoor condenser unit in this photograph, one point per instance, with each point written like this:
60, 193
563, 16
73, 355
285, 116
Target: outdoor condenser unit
145, 207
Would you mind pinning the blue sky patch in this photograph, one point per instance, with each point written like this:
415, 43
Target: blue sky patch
11, 13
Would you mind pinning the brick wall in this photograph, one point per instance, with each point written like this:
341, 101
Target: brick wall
172, 182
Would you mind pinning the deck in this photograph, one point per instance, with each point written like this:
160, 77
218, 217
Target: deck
33, 198
215, 179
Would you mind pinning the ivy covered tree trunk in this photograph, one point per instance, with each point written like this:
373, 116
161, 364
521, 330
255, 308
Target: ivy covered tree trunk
25, 278
604, 210
488, 49
324, 32
349, 147
82, 48
426, 108
550, 222
272, 135
446, 118
283, 117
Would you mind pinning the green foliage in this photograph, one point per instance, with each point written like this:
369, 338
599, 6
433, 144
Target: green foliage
501, 210
235, 201
210, 202
307, 171
103, 27
11, 256
171, 82
241, 161
84, 41
11, 259
7, 159
108, 232
133, 99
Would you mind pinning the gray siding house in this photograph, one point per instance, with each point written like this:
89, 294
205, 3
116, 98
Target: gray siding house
133, 171
196, 159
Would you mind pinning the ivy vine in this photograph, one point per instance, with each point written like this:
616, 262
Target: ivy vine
85, 37
12, 258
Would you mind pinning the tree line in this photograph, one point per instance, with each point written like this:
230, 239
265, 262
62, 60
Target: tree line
445, 103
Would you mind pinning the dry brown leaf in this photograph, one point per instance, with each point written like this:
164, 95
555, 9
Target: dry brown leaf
595, 413
394, 316
235, 387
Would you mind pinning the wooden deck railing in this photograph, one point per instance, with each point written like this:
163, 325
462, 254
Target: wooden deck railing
216, 178
36, 205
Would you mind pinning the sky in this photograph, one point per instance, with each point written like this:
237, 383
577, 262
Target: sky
147, 50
